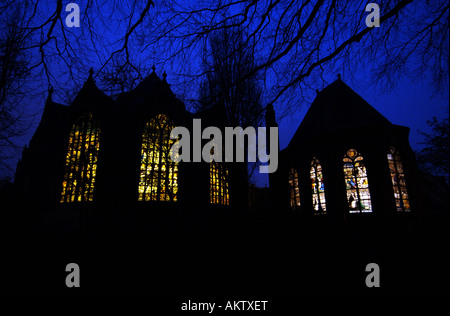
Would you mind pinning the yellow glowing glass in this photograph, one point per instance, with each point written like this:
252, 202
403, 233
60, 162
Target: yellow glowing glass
219, 184
81, 161
158, 173
294, 189
398, 181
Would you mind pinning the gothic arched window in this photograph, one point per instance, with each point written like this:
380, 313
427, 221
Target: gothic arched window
318, 187
357, 183
158, 173
294, 191
81, 160
398, 181
218, 177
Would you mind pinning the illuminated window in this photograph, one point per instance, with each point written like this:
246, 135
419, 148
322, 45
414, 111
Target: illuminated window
318, 187
81, 161
398, 181
357, 184
158, 173
293, 188
218, 174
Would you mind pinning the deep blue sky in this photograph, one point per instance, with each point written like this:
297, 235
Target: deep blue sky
411, 103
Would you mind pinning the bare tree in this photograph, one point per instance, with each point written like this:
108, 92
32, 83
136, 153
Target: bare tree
434, 157
119, 76
225, 59
14, 73
297, 43
61, 53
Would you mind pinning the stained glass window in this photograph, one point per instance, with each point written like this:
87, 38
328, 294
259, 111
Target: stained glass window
294, 189
398, 181
158, 173
318, 187
81, 161
357, 183
218, 174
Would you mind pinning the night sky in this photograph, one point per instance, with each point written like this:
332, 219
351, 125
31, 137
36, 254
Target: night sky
411, 102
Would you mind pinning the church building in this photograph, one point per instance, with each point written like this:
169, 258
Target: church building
102, 160
346, 160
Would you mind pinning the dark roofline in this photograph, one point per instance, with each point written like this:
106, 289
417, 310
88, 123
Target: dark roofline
337, 107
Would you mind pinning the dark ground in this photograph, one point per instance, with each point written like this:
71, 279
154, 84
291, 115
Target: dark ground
255, 255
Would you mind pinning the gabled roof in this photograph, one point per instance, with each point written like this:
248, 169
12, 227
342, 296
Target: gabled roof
152, 85
335, 108
152, 90
51, 122
89, 93
149, 84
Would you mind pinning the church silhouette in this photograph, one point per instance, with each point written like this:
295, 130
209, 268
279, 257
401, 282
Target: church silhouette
99, 157
97, 187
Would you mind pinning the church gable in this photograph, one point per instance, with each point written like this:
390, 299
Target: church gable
335, 108
118, 150
90, 98
358, 171
115, 154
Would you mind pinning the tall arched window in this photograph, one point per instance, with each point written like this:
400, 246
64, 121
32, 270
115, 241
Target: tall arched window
357, 183
81, 160
158, 173
318, 187
218, 177
398, 181
294, 189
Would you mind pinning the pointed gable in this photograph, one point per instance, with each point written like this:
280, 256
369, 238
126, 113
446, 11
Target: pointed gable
52, 121
90, 96
149, 85
152, 95
337, 107
152, 87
